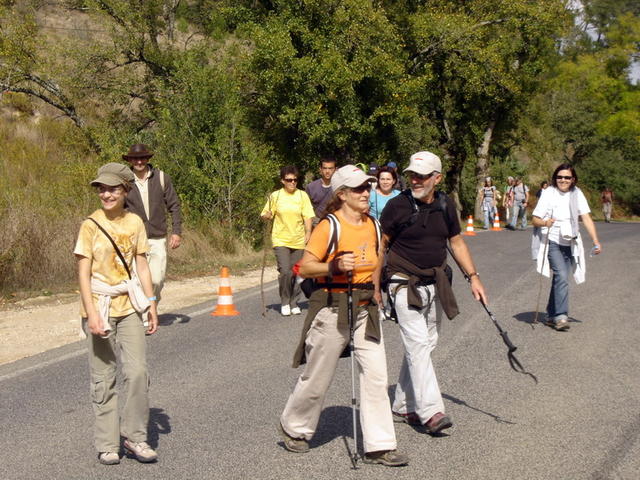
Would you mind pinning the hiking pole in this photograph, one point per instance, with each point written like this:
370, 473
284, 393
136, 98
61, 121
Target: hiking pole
266, 235
544, 257
513, 361
354, 455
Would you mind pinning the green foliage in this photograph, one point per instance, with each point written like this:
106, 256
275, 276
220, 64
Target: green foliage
324, 76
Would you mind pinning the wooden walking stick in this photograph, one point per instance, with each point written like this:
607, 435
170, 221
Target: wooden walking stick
266, 235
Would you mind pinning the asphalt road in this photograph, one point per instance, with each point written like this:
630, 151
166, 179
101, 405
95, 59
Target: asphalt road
219, 386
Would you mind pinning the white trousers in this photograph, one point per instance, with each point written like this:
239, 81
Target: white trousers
417, 389
157, 259
324, 344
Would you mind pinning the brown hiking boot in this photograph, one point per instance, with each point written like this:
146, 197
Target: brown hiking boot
388, 458
295, 445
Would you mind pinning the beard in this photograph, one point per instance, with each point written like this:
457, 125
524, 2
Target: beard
421, 194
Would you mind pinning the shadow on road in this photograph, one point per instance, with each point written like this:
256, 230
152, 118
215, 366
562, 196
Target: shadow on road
167, 319
529, 317
335, 422
457, 401
158, 425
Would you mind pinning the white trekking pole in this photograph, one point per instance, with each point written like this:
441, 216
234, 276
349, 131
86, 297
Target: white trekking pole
354, 456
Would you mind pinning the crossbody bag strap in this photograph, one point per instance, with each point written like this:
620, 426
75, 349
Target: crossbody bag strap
126, 267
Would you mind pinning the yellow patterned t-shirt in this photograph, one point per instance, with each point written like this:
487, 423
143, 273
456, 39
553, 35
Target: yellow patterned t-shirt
129, 234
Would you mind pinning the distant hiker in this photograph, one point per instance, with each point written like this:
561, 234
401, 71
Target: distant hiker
558, 211
151, 199
520, 201
401, 183
489, 196
319, 190
543, 186
110, 319
326, 333
383, 192
607, 203
291, 211
507, 199
416, 226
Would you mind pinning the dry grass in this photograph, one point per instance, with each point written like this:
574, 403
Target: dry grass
44, 196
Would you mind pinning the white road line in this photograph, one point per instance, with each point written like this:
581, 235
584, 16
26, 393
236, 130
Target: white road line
249, 292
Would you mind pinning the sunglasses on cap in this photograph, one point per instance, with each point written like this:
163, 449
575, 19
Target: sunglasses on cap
365, 187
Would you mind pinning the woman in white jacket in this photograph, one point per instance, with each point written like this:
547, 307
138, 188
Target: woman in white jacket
559, 240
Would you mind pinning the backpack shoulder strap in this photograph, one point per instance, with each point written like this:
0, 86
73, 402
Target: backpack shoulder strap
161, 174
334, 235
376, 225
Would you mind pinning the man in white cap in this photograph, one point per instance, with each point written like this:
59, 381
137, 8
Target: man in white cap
416, 226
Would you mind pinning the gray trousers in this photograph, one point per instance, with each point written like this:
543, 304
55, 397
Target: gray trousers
286, 258
128, 336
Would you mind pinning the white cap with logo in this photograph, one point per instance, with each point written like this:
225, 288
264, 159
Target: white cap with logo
424, 163
349, 176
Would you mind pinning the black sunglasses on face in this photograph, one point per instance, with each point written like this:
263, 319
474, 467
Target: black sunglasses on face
365, 187
289, 180
421, 177
564, 177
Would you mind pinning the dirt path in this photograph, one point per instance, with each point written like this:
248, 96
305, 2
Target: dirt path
38, 324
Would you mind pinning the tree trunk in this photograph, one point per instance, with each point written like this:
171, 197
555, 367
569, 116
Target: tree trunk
482, 166
454, 178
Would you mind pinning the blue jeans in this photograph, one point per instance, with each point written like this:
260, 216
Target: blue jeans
519, 212
489, 215
560, 261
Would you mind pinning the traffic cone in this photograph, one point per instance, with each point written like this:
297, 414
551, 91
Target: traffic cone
225, 307
470, 231
496, 223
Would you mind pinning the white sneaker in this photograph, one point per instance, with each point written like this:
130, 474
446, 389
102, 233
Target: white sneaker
296, 311
142, 451
108, 458
285, 310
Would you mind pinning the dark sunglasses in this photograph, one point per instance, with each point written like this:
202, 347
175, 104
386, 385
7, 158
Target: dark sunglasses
365, 187
289, 180
564, 177
421, 177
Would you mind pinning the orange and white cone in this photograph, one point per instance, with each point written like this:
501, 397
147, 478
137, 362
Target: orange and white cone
470, 232
225, 305
496, 223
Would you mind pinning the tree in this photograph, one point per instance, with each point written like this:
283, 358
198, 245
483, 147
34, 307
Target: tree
481, 61
323, 77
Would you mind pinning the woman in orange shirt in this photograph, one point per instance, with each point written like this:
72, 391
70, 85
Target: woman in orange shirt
326, 331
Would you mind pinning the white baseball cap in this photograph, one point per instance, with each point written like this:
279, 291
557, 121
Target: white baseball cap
424, 163
349, 176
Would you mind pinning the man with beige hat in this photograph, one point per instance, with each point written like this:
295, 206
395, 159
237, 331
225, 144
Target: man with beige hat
151, 198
